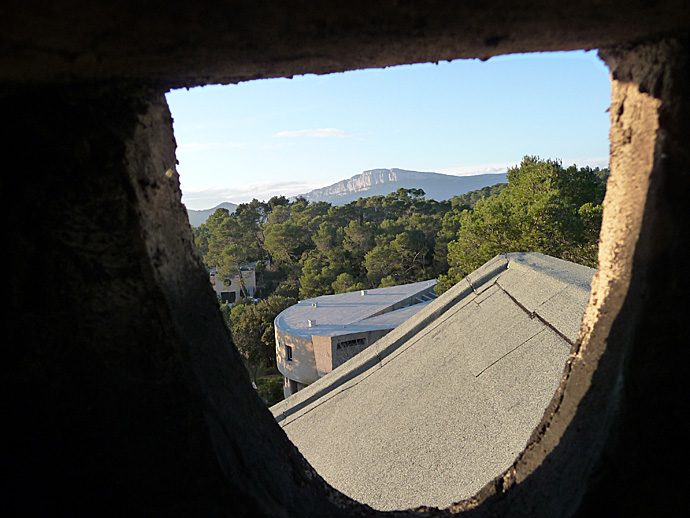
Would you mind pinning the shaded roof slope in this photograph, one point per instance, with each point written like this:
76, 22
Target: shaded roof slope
445, 402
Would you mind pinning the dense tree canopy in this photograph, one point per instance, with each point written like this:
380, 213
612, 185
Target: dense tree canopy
307, 249
322, 249
544, 208
311, 249
251, 327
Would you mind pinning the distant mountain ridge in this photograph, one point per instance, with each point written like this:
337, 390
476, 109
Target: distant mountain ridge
374, 182
380, 182
197, 217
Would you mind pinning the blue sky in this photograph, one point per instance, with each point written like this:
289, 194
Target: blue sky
288, 136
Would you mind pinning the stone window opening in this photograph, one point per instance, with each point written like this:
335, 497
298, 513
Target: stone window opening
606, 292
344, 348
140, 404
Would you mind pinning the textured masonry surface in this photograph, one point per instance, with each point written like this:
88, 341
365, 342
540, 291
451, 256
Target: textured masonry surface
124, 396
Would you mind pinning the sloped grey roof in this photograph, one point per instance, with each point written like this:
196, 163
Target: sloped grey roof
396, 317
347, 312
444, 403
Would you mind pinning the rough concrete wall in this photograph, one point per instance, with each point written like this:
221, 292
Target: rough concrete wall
323, 354
303, 367
125, 396
183, 43
609, 441
651, 425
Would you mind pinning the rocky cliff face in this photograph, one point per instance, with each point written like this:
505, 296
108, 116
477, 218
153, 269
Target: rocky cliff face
384, 181
358, 183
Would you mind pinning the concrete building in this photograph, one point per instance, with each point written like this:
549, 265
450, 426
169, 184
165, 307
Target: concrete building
436, 409
239, 287
317, 335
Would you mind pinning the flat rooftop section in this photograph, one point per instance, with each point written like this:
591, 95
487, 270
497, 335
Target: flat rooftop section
396, 317
351, 312
445, 402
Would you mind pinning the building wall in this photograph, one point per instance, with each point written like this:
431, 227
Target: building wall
332, 351
235, 286
323, 354
302, 367
341, 350
316, 356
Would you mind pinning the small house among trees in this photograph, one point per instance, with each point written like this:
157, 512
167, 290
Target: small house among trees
240, 285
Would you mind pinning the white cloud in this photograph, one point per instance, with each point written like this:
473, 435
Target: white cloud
470, 170
191, 147
502, 167
313, 132
206, 198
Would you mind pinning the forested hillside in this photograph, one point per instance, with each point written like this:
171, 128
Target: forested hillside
308, 249
544, 208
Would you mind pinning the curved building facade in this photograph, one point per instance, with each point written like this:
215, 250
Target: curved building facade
316, 335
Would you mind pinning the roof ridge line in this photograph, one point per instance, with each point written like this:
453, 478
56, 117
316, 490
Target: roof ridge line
534, 314
431, 312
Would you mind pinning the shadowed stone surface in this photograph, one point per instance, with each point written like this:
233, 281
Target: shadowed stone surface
127, 393
123, 395
177, 43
